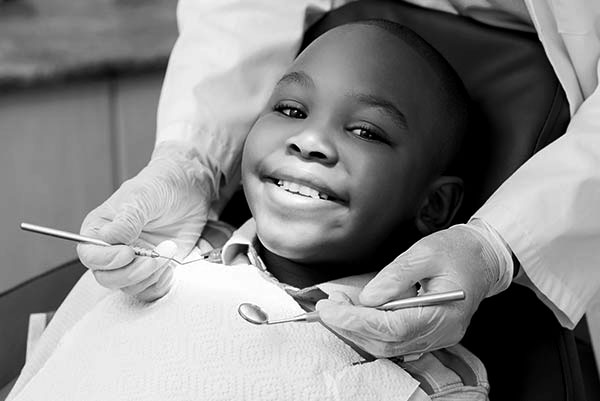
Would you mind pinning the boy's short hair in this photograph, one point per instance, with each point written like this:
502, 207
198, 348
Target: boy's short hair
454, 95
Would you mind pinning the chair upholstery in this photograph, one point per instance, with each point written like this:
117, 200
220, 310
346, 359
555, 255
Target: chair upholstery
519, 107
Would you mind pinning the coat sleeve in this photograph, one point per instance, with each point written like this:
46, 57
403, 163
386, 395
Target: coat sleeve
225, 62
548, 212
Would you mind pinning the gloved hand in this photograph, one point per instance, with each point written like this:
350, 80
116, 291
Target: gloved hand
168, 199
470, 257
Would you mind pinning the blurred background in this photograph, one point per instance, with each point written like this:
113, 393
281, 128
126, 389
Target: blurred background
79, 87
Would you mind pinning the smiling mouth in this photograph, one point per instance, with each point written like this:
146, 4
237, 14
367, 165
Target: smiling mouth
302, 190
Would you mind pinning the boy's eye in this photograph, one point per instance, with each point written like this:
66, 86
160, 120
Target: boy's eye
290, 110
368, 134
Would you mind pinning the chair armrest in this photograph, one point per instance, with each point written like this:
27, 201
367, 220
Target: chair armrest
37, 324
42, 293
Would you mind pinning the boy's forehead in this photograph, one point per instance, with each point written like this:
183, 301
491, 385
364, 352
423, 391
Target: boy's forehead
368, 59
361, 46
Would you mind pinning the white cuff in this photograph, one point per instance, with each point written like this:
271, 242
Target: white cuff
502, 251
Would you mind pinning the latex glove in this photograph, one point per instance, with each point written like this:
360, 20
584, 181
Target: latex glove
168, 199
470, 257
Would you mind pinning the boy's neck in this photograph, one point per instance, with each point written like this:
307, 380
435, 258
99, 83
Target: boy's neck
302, 275
297, 274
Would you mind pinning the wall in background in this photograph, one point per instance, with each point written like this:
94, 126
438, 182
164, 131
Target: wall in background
63, 150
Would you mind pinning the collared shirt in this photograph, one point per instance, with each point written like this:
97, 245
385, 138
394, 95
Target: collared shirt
241, 249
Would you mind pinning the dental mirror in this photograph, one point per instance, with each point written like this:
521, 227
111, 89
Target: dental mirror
255, 315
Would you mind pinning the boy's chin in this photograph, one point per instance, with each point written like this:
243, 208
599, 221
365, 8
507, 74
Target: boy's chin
291, 248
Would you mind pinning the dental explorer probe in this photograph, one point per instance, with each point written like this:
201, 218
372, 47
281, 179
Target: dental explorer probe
52, 232
88, 240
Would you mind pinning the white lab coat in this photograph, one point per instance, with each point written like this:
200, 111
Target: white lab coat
230, 54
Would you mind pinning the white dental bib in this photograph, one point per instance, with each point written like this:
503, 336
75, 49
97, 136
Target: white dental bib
193, 345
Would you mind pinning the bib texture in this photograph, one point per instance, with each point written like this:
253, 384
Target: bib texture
193, 345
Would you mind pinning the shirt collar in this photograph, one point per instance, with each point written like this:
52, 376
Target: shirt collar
235, 250
241, 248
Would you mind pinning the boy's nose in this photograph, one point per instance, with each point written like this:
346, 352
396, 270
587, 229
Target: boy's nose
313, 145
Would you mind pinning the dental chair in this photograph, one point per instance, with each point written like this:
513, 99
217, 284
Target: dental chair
519, 107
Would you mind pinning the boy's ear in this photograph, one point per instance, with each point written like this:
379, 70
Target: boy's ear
441, 204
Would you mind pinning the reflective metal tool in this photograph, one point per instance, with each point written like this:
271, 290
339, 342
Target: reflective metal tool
150, 253
254, 313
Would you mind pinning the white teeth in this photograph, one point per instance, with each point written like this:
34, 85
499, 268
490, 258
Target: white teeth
293, 187
296, 188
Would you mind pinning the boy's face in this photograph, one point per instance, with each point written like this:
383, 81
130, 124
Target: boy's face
341, 156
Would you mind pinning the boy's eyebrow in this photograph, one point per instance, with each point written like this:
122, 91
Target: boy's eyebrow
303, 79
298, 77
385, 105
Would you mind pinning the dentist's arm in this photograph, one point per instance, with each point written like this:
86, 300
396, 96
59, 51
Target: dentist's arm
548, 214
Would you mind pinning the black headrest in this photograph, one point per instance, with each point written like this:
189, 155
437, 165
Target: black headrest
519, 105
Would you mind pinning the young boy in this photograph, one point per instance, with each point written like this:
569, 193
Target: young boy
343, 169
